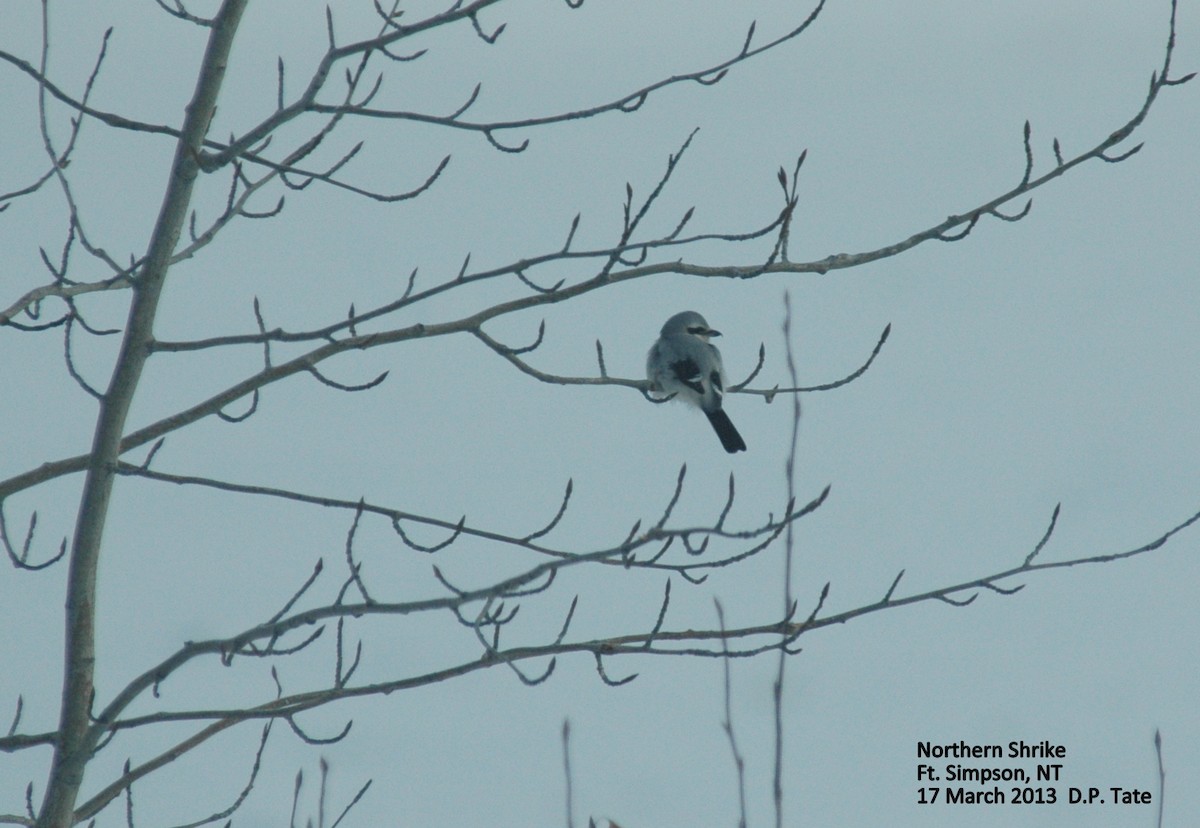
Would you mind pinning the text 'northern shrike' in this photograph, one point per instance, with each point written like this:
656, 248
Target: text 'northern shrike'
684, 363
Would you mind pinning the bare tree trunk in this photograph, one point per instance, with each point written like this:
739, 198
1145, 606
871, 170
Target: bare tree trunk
76, 740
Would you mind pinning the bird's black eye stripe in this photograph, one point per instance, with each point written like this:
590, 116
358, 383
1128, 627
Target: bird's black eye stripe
697, 329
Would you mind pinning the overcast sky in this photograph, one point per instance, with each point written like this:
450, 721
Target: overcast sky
1034, 363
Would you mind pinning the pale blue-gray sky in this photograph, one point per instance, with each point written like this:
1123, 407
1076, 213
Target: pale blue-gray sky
1051, 360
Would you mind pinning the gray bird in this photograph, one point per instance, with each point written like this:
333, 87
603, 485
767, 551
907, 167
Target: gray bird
684, 363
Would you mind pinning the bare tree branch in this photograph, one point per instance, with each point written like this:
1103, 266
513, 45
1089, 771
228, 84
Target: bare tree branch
77, 737
485, 617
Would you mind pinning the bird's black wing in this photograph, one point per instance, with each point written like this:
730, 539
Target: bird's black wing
688, 372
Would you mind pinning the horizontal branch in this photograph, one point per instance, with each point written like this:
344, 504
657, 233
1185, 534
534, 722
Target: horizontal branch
626, 103
242, 148
714, 642
620, 555
952, 228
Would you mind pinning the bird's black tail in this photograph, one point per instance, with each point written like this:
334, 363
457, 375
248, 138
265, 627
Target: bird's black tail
730, 439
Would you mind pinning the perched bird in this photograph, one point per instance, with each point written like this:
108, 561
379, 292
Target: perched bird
685, 364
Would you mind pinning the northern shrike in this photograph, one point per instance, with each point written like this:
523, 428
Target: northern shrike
684, 363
